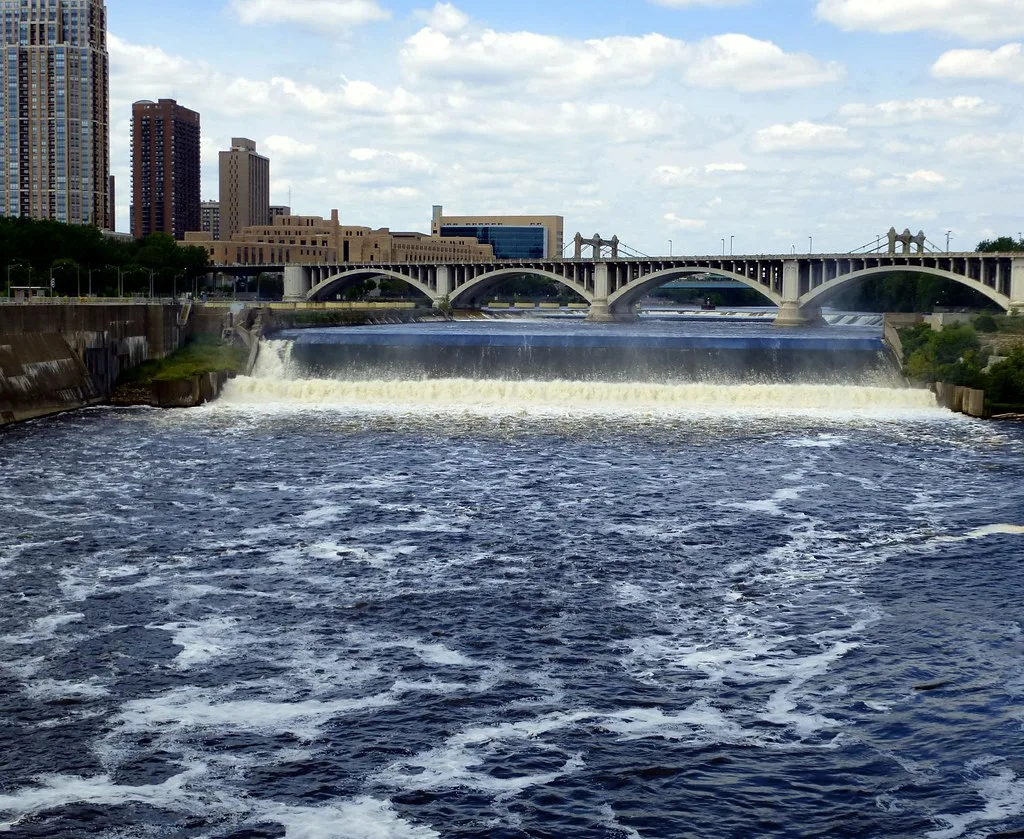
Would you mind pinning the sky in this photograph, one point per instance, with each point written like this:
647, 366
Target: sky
771, 124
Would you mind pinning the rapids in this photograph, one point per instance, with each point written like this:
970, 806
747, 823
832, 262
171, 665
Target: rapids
332, 608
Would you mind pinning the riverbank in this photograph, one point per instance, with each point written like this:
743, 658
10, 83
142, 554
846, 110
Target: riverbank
187, 378
975, 367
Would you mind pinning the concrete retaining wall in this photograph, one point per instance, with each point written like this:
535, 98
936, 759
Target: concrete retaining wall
40, 375
59, 357
190, 393
961, 400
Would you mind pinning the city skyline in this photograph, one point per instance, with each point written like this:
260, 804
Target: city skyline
682, 120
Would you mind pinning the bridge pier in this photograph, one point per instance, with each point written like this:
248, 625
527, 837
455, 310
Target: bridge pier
298, 282
1017, 287
792, 315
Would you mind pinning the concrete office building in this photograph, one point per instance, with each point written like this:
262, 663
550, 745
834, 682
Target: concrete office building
209, 219
278, 210
512, 237
54, 111
244, 188
166, 169
313, 240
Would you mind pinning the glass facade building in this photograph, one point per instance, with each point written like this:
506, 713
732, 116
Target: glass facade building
54, 99
508, 242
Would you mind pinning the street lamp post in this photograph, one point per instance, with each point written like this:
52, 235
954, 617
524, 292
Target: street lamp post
670, 247
119, 285
723, 246
731, 238
21, 264
810, 244
949, 235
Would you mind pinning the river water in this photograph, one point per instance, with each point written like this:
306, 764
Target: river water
354, 608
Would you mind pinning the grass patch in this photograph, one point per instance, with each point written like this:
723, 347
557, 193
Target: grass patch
202, 355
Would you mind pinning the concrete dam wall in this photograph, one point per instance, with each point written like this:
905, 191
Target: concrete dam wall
57, 358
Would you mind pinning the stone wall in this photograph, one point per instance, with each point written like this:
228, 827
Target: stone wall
39, 375
58, 357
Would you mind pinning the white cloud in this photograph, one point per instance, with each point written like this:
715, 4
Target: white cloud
983, 20
674, 175
407, 159
897, 112
315, 14
747, 64
685, 4
711, 168
1001, 148
903, 148
803, 137
923, 180
445, 17
678, 223
860, 173
287, 147
549, 65
1003, 64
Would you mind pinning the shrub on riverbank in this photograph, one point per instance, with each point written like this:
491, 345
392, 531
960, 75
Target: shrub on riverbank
953, 355
202, 355
956, 356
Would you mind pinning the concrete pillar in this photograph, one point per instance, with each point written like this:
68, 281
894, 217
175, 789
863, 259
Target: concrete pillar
791, 313
298, 281
444, 284
1017, 286
600, 311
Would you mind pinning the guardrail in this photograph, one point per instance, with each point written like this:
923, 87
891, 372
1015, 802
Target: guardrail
92, 301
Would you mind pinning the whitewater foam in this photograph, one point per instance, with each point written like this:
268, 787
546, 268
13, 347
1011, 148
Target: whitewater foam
495, 396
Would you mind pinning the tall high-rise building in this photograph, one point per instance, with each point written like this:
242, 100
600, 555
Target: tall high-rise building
210, 219
244, 188
165, 169
54, 98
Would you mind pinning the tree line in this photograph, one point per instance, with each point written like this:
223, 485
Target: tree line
79, 259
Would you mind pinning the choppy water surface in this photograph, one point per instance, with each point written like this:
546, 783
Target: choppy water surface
460, 616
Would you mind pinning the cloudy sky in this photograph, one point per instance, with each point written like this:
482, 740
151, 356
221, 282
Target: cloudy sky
692, 120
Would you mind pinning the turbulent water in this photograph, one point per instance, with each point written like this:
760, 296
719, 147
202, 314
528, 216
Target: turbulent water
326, 609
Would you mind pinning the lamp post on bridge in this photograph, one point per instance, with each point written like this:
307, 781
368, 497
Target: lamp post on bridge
723, 246
810, 244
949, 235
731, 238
670, 248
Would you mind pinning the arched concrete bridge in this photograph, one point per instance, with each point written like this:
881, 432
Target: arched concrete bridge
798, 285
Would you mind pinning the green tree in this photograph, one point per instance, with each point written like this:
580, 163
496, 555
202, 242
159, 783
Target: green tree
953, 355
1005, 381
1004, 244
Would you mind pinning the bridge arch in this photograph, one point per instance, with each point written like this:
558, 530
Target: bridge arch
478, 285
632, 293
331, 285
820, 296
